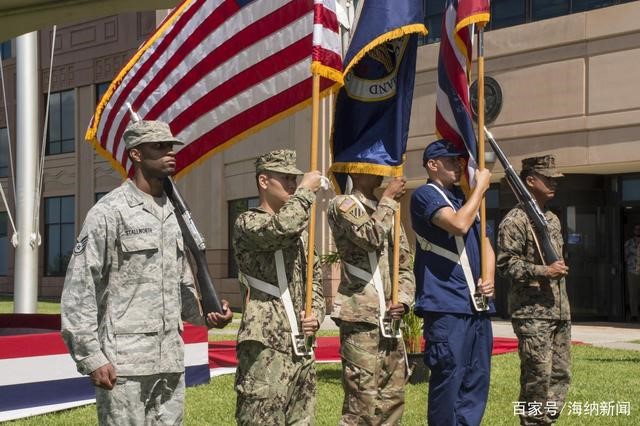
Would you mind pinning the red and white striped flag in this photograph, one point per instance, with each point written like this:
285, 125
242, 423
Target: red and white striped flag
327, 45
218, 71
453, 110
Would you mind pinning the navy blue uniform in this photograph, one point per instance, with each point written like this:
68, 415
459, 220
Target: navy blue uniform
459, 340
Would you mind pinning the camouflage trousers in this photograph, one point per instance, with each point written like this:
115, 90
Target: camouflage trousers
142, 400
274, 388
373, 376
544, 347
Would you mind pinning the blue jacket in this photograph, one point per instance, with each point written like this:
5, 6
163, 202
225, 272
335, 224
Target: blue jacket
440, 283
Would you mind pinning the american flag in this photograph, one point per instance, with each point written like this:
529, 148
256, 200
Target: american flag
327, 44
218, 71
453, 111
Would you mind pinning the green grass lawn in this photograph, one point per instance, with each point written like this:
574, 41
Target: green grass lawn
43, 307
599, 376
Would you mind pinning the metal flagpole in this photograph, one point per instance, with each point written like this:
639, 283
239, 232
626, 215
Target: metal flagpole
27, 239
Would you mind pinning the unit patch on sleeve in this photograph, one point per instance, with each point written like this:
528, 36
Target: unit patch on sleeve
353, 211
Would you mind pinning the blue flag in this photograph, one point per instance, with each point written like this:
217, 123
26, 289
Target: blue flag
374, 106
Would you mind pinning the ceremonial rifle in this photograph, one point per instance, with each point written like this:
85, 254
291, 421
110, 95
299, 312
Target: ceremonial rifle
195, 243
540, 223
192, 238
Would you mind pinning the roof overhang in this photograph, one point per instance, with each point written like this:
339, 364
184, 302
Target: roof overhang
22, 16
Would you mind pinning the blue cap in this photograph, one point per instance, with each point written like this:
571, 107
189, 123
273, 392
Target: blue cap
440, 148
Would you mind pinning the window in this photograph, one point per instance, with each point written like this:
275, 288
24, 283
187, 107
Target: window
543, 9
582, 5
433, 10
146, 24
59, 234
4, 243
507, 13
5, 50
62, 123
4, 152
99, 195
101, 89
631, 189
236, 208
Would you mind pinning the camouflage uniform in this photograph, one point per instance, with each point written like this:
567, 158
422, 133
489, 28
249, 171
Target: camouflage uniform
373, 367
540, 309
272, 383
127, 289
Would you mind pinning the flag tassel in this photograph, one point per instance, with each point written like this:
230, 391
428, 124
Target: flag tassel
383, 38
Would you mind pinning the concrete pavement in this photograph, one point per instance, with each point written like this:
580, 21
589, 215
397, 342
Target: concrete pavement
615, 335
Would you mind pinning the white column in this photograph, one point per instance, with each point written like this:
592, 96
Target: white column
26, 259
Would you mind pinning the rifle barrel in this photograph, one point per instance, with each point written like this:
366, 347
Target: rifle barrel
531, 208
195, 244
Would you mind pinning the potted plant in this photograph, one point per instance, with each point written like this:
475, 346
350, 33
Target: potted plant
412, 335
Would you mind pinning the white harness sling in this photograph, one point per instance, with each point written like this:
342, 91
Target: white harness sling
460, 258
281, 291
374, 278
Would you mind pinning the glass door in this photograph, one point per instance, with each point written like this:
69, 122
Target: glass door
587, 230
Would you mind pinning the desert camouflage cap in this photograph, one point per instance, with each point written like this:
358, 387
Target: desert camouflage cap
146, 131
545, 165
281, 161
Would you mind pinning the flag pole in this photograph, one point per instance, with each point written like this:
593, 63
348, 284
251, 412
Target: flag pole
396, 256
481, 162
388, 326
315, 104
397, 233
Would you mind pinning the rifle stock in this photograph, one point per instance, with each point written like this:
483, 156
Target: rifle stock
540, 223
195, 243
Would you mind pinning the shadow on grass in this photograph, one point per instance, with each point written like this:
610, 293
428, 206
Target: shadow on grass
330, 375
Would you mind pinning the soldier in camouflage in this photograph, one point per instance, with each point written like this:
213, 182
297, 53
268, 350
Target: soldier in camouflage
274, 385
373, 366
538, 298
128, 288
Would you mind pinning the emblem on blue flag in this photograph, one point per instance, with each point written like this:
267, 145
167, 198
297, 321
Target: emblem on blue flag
373, 107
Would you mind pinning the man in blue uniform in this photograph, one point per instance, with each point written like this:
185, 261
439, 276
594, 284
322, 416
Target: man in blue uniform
447, 269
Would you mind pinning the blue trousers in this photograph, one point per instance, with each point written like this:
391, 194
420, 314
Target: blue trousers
458, 353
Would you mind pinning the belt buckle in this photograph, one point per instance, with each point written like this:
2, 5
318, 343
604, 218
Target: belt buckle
303, 345
390, 328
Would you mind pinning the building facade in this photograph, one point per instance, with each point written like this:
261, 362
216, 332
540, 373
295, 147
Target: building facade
567, 85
